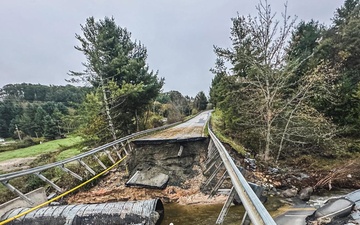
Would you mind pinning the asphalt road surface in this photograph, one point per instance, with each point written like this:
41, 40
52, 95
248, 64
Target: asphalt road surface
192, 129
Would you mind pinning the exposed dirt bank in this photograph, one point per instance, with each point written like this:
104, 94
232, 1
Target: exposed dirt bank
112, 188
185, 172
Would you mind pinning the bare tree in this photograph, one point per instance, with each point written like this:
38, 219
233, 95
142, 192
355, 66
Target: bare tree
271, 101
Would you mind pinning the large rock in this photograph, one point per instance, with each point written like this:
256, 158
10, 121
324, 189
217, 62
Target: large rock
305, 193
289, 193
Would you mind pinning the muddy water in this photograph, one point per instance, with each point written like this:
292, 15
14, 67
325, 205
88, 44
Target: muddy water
199, 214
207, 214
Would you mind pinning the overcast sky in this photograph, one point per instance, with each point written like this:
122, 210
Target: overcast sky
37, 37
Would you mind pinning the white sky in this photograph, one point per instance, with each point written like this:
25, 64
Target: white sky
37, 37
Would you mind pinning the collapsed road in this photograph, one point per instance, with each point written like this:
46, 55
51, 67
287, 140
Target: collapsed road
169, 156
177, 152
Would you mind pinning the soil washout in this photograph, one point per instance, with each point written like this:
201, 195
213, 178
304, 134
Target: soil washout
185, 172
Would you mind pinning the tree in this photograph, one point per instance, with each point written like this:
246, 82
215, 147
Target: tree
8, 112
340, 50
111, 55
39, 121
50, 128
305, 40
345, 12
216, 88
200, 101
262, 100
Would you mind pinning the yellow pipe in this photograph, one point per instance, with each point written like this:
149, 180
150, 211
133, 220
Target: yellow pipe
62, 195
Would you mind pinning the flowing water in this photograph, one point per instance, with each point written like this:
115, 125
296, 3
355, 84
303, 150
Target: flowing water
207, 214
199, 214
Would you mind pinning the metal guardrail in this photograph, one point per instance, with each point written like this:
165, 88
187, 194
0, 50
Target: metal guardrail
8, 176
253, 206
4, 178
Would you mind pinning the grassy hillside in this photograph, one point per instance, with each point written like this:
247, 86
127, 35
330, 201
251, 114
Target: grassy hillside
46, 147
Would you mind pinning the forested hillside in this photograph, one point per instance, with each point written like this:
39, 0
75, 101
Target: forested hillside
286, 88
37, 110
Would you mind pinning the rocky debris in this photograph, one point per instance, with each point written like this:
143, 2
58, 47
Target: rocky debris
305, 193
289, 193
250, 164
274, 170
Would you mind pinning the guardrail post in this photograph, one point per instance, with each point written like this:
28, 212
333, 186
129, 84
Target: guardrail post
87, 167
16, 191
218, 184
42, 177
213, 174
109, 156
211, 148
66, 170
124, 148
211, 166
226, 206
99, 161
129, 144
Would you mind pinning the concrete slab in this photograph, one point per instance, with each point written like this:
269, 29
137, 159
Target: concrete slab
38, 196
148, 180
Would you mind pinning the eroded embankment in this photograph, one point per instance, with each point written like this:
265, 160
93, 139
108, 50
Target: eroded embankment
185, 176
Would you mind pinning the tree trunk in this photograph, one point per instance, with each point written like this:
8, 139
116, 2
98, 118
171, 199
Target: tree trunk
107, 109
137, 121
267, 141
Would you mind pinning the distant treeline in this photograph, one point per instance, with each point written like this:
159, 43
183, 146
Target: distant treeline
35, 110
68, 94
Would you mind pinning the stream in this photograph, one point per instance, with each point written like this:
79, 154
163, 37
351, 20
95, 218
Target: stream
207, 214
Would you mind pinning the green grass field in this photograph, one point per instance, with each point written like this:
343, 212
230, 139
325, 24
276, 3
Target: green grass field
46, 147
67, 153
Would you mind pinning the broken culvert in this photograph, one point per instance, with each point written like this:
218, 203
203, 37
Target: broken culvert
147, 212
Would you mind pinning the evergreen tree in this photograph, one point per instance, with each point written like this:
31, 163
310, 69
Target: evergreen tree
50, 128
340, 49
111, 55
200, 101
